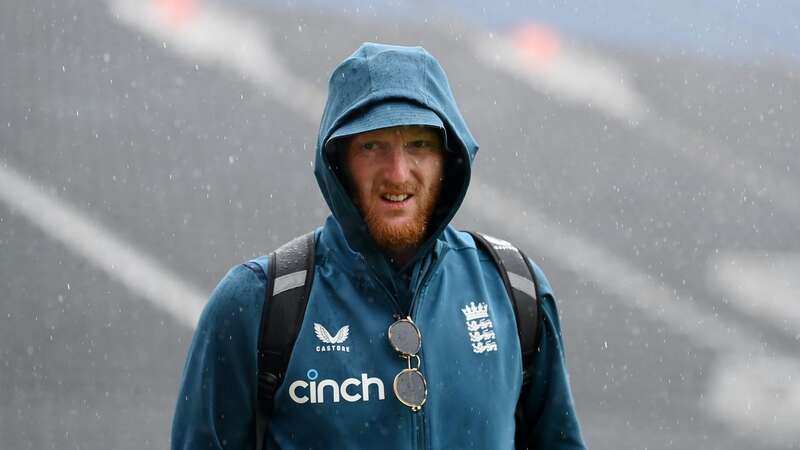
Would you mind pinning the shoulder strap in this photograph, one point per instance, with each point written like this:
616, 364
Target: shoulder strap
290, 271
520, 283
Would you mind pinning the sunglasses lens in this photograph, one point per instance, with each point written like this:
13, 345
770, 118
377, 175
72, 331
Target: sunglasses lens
405, 337
410, 388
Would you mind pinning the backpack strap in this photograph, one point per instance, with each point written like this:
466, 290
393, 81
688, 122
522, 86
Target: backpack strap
520, 283
290, 271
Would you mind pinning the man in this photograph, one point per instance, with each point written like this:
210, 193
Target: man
390, 353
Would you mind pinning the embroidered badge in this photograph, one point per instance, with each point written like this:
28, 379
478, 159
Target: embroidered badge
333, 342
480, 327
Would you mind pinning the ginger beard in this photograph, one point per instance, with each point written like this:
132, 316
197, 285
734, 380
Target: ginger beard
396, 235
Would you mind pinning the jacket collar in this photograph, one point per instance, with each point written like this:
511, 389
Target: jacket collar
375, 267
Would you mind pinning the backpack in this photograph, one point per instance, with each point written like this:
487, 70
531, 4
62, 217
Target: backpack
290, 271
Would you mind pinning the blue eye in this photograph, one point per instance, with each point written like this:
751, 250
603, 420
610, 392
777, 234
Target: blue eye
369, 146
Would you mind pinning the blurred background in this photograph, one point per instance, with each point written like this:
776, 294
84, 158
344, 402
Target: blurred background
644, 153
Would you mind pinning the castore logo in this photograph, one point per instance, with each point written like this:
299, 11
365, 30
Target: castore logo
334, 342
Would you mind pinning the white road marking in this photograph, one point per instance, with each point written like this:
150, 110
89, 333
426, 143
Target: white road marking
758, 395
538, 56
548, 64
211, 33
121, 261
216, 34
761, 285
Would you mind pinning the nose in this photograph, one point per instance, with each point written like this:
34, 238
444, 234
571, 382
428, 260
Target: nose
398, 164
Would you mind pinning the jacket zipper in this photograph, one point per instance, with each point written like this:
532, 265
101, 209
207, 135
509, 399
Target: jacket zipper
424, 284
419, 443
418, 418
395, 305
419, 429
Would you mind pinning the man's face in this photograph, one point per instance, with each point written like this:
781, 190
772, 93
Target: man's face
396, 176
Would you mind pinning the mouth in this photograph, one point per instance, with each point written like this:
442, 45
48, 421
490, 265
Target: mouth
396, 198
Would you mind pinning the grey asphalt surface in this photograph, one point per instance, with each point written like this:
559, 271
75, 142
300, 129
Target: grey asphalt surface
201, 169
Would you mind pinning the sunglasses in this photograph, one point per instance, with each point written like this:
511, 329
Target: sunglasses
409, 385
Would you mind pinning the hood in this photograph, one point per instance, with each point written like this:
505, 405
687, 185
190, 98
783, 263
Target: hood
378, 73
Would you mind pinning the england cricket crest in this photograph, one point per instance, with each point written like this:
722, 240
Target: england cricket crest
480, 327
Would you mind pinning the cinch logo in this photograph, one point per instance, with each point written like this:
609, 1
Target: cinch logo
302, 391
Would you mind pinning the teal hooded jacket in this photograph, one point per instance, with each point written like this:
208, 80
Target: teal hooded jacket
337, 390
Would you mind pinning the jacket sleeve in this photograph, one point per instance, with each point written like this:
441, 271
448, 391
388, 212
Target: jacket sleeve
548, 407
216, 401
